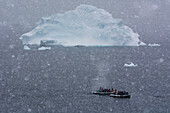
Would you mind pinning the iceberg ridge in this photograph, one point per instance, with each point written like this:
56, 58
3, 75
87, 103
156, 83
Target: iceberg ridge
86, 25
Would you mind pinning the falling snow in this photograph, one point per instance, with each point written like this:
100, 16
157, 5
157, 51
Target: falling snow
62, 79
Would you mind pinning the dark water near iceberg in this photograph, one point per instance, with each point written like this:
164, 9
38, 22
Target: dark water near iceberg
61, 80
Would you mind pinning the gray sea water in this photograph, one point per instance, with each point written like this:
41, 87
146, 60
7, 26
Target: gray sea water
61, 80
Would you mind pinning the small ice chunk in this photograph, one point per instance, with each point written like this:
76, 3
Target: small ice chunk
48, 64
141, 43
44, 48
154, 45
130, 65
95, 79
26, 47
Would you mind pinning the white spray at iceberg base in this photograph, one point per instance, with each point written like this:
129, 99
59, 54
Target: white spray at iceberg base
86, 25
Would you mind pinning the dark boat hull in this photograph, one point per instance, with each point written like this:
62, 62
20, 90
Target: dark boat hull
102, 93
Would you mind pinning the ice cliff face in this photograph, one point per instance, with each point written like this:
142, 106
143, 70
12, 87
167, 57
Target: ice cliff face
86, 25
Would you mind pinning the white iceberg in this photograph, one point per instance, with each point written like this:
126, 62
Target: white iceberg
86, 25
130, 65
154, 45
44, 48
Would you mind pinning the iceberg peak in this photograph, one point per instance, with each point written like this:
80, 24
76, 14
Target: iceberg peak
87, 8
86, 25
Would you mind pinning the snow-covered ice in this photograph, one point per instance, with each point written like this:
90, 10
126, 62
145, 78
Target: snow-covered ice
142, 43
26, 47
95, 78
130, 65
86, 25
154, 45
44, 48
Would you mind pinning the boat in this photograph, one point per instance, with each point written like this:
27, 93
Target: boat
120, 96
112, 93
102, 91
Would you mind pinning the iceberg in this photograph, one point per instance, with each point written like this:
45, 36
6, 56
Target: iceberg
86, 25
130, 65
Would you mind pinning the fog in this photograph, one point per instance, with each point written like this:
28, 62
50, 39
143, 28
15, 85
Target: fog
149, 18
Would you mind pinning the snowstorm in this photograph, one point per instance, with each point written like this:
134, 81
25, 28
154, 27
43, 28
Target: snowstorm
84, 56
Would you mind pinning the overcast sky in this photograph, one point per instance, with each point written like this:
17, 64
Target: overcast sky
149, 18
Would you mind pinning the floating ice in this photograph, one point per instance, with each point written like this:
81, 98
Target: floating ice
130, 65
141, 43
86, 25
26, 47
95, 78
154, 45
44, 48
